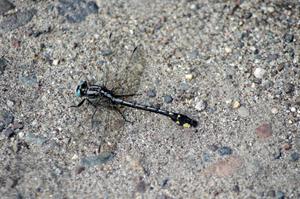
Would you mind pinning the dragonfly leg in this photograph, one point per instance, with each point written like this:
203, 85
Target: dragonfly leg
78, 105
123, 116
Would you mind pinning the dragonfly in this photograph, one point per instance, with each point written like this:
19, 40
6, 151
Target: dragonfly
129, 78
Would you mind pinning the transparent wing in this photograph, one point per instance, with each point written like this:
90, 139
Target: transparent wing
122, 74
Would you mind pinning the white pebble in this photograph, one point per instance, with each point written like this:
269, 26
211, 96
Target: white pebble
274, 111
259, 73
293, 109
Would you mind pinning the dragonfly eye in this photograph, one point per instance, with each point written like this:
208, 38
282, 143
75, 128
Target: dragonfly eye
81, 88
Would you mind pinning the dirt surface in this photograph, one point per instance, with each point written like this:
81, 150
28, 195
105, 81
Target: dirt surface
231, 65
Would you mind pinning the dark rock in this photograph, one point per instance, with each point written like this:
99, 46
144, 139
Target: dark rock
5, 6
295, 156
141, 186
17, 20
96, 160
3, 64
151, 93
264, 130
193, 55
248, 15
76, 11
236, 188
33, 139
6, 118
280, 195
271, 193
213, 147
164, 182
17, 126
168, 99
288, 37
225, 151
29, 79
8, 132
107, 52
289, 88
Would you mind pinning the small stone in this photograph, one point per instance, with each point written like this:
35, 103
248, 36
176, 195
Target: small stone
96, 160
6, 118
271, 193
225, 151
8, 132
5, 6
274, 111
228, 50
18, 19
17, 126
225, 167
193, 55
295, 156
286, 146
270, 9
55, 62
288, 37
289, 88
10, 103
106, 52
141, 186
201, 106
293, 109
259, 73
297, 101
151, 93
280, 195
189, 76
236, 189
3, 64
264, 131
243, 112
168, 99
213, 147
236, 104
248, 15
79, 169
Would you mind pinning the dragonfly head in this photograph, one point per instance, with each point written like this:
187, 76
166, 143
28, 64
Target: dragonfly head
81, 88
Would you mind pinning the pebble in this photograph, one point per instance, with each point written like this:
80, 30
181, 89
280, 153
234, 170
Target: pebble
274, 111
2, 126
271, 193
28, 79
228, 50
6, 118
10, 103
280, 195
96, 160
168, 99
259, 73
225, 150
236, 104
201, 105
288, 37
193, 55
264, 131
76, 11
297, 101
17, 20
243, 112
151, 93
236, 189
34, 139
55, 62
293, 109
289, 88
5, 6
106, 52
225, 167
189, 76
8, 132
3, 64
295, 156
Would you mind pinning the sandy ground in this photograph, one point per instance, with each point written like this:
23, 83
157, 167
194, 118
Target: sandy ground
231, 65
